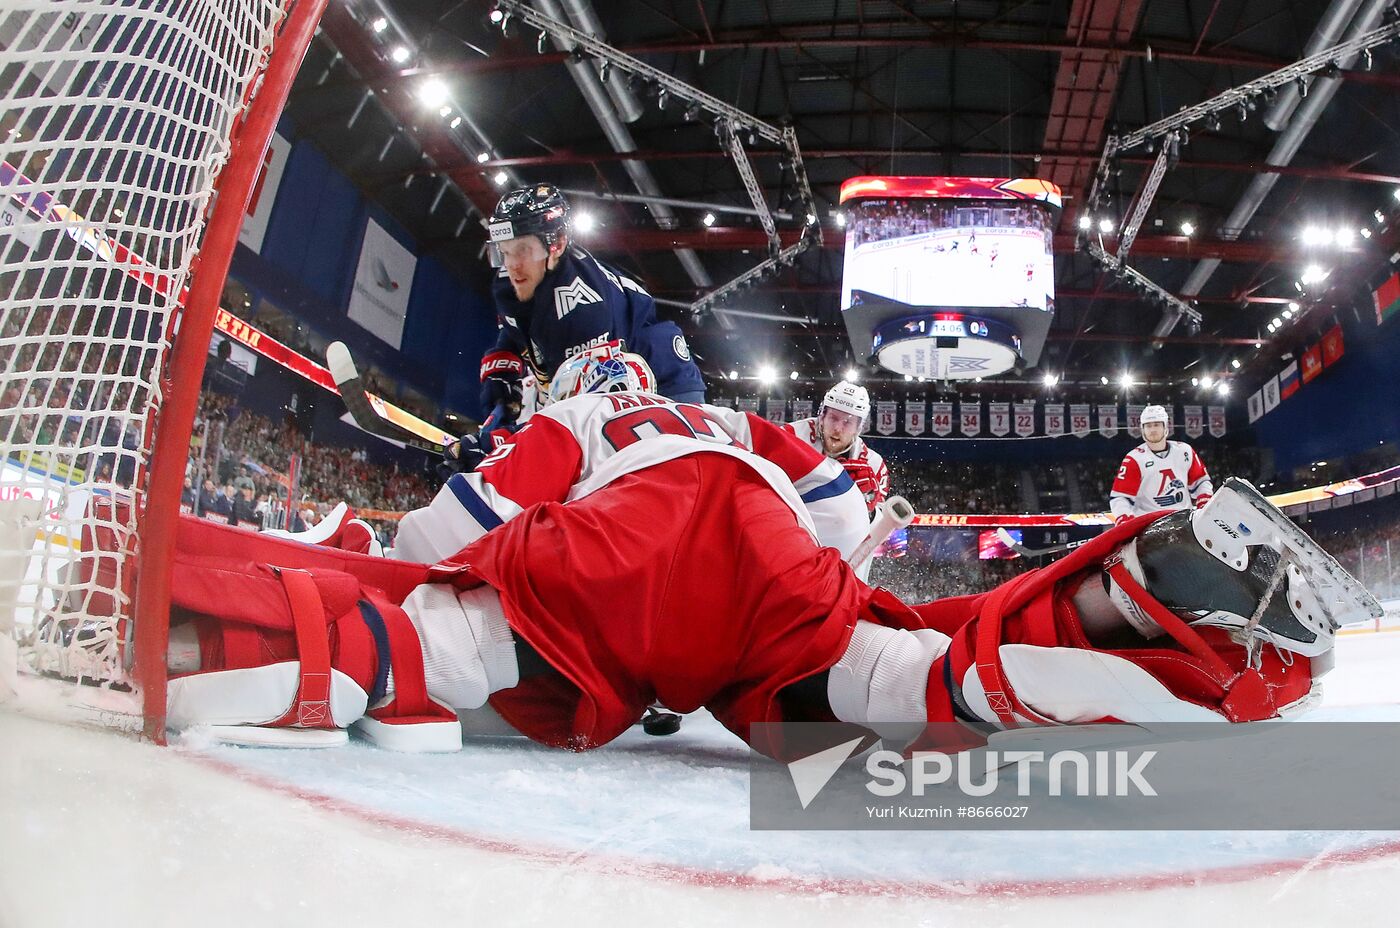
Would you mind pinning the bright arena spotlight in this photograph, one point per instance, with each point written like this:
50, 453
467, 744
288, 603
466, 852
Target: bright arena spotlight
949, 278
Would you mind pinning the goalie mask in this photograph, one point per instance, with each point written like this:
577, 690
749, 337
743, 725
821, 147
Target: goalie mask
601, 370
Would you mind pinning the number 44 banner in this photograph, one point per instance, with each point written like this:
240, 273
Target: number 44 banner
940, 417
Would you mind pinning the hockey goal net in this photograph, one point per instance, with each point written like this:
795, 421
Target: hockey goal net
120, 122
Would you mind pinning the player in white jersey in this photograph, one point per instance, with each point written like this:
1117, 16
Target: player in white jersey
835, 432
1158, 474
588, 438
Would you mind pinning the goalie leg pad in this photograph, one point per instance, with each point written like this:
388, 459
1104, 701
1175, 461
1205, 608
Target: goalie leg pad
313, 659
1023, 656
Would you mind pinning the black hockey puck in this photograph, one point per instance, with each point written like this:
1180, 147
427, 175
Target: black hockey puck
661, 723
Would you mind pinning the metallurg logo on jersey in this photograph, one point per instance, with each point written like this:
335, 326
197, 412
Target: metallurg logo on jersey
575, 294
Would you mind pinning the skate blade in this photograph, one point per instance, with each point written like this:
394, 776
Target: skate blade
1239, 517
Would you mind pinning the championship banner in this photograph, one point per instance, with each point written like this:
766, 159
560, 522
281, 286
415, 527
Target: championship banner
970, 417
264, 193
1108, 420
1270, 394
1135, 419
915, 417
999, 418
1055, 419
886, 417
1217, 421
1312, 362
748, 404
941, 418
383, 279
1079, 421
1255, 405
1025, 419
1192, 417
775, 410
1333, 346
801, 409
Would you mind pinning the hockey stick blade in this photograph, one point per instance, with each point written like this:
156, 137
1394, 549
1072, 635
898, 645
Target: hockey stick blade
1006, 538
357, 402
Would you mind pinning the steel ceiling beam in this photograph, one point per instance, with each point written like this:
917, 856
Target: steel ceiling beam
1335, 171
784, 39
1086, 88
738, 238
431, 135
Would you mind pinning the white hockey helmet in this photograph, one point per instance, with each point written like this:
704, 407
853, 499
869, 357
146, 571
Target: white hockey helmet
848, 397
601, 370
1154, 413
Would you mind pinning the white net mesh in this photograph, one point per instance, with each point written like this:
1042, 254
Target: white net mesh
115, 121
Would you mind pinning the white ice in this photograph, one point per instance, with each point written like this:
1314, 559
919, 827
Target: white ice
99, 829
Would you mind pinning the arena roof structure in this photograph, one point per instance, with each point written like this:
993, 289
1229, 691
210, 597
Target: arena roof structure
1272, 218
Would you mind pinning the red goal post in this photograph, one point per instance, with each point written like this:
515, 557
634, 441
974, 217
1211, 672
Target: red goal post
131, 135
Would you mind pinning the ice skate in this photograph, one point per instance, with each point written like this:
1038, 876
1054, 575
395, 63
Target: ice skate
1238, 563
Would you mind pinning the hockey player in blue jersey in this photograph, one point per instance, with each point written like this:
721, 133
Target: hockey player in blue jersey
555, 300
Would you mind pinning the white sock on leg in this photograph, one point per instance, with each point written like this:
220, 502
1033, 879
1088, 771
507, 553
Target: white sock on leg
883, 676
468, 650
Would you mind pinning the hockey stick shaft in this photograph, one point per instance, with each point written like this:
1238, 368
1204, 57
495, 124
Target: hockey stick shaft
894, 515
358, 403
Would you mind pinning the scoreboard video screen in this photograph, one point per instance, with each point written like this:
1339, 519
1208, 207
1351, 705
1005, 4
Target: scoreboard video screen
949, 277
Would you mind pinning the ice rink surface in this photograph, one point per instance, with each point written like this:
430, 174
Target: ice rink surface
97, 828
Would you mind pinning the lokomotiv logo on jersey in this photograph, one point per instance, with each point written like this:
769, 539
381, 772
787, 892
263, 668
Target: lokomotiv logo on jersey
1170, 489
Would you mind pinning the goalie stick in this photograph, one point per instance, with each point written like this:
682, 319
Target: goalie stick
361, 404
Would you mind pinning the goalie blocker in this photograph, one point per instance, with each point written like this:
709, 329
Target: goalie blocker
727, 603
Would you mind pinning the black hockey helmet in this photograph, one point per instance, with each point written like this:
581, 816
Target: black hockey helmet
539, 209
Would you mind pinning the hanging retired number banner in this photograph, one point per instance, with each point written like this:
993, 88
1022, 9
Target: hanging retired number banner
748, 404
886, 417
1192, 417
970, 417
1055, 419
775, 410
801, 409
915, 417
1217, 421
1025, 419
940, 417
1079, 423
1135, 419
1108, 421
999, 418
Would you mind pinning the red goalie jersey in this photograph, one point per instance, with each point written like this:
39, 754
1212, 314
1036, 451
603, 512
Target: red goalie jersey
1148, 480
574, 448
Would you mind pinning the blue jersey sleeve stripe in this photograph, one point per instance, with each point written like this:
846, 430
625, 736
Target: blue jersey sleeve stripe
472, 502
833, 487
